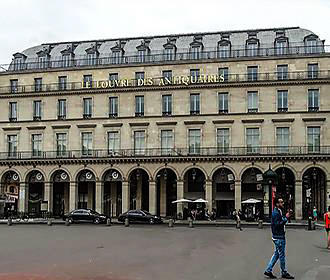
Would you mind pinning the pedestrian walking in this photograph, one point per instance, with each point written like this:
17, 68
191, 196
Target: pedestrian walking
278, 222
315, 214
327, 226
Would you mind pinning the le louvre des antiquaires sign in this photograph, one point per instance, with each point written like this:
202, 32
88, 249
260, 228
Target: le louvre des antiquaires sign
165, 81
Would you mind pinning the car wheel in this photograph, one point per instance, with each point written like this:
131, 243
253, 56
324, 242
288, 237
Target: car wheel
96, 221
151, 221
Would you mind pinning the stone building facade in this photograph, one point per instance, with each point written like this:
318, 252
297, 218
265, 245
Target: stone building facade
132, 123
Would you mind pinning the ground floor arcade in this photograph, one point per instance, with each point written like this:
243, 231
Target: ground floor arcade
153, 186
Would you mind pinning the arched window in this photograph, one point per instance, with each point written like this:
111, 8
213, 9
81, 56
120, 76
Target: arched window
310, 42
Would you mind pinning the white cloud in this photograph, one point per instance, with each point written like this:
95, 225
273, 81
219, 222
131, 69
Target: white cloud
27, 23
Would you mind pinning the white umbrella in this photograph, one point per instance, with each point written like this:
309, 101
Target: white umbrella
251, 201
200, 200
182, 200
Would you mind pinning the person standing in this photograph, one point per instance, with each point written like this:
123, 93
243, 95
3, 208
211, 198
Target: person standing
327, 226
278, 222
315, 214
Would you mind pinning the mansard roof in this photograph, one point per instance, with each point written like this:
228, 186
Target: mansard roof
182, 42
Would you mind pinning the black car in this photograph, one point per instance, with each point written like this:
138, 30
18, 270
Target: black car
85, 216
140, 216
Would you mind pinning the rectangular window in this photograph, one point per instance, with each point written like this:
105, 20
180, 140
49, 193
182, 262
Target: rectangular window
139, 106
282, 72
139, 75
313, 71
87, 143
223, 140
194, 74
142, 55
88, 81
252, 73
14, 86
311, 46
252, 101
38, 84
62, 82
194, 104
139, 142
113, 106
113, 142
167, 105
116, 57
87, 108
12, 111
282, 100
194, 139
313, 100
113, 77
66, 60
224, 72
43, 61
167, 143
12, 145
281, 47
282, 139
61, 109
36, 140
37, 110
252, 140
313, 139
167, 76
61, 144
223, 102
224, 51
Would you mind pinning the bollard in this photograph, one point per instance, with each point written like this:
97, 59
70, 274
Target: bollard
108, 222
49, 222
170, 223
10, 221
309, 223
191, 225
260, 224
67, 223
126, 222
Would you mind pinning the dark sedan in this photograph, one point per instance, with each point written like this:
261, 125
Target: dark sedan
140, 216
85, 216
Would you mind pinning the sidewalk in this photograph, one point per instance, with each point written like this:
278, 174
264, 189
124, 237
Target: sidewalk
217, 223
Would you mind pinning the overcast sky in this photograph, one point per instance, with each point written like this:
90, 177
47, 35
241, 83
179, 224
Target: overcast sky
26, 23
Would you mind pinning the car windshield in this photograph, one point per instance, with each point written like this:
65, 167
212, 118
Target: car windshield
93, 212
145, 212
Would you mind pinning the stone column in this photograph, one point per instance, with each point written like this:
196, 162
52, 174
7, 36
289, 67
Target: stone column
209, 194
238, 195
139, 193
48, 195
125, 196
298, 200
162, 196
179, 194
66, 197
73, 196
99, 196
23, 197
152, 197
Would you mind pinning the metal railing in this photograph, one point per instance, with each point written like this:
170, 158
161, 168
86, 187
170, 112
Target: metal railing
159, 56
230, 78
176, 152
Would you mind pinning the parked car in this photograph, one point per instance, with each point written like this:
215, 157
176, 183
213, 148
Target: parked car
140, 216
85, 216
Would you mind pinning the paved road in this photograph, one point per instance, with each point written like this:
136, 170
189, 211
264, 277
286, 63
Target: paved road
153, 252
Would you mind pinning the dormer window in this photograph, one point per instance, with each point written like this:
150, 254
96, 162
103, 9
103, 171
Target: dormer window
224, 48
116, 57
252, 48
143, 51
43, 62
18, 62
92, 54
195, 52
66, 60
281, 46
91, 58
311, 45
68, 55
169, 54
142, 54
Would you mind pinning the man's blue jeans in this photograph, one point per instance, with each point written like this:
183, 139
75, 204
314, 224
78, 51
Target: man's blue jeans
279, 253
